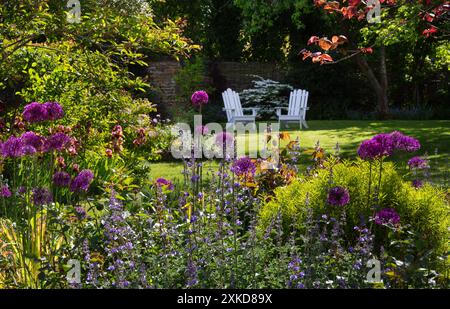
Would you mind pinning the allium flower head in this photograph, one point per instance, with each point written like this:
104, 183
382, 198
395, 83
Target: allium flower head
42, 196
61, 179
417, 162
58, 141
28, 150
386, 143
387, 216
35, 112
243, 166
13, 147
382, 145
338, 196
36, 141
82, 181
54, 110
4, 191
369, 150
164, 183
404, 142
199, 98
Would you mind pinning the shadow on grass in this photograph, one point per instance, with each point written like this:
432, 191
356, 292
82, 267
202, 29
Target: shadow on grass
434, 137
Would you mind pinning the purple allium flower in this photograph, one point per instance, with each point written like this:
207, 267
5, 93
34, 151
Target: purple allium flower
58, 141
35, 112
224, 138
41, 196
199, 98
386, 216
82, 181
338, 196
369, 150
61, 179
243, 166
13, 147
417, 162
385, 144
4, 191
36, 141
162, 182
376, 147
28, 150
54, 110
404, 142
201, 130
417, 183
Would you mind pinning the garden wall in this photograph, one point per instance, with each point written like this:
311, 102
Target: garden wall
234, 75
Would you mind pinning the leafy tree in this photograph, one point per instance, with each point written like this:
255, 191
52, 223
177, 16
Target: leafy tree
215, 24
44, 56
410, 23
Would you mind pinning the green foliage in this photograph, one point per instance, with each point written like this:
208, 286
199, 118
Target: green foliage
443, 56
215, 24
425, 209
192, 77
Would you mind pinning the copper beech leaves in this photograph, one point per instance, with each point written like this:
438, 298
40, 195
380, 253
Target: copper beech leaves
326, 45
316, 57
430, 12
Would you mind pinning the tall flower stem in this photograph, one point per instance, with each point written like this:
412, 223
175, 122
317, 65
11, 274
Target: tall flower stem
379, 178
370, 184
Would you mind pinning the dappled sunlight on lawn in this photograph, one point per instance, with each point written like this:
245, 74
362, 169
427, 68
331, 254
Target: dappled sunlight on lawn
433, 135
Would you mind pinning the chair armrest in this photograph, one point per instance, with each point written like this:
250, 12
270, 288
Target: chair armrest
253, 109
278, 110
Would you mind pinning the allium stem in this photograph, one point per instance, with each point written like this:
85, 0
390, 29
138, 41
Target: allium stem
379, 179
370, 183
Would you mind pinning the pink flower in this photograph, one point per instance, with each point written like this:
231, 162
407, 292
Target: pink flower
200, 98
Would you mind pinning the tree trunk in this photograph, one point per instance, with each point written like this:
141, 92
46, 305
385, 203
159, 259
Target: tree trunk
380, 86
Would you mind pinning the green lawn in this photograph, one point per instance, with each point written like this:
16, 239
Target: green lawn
433, 135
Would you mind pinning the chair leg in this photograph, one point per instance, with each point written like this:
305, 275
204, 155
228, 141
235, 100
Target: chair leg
305, 124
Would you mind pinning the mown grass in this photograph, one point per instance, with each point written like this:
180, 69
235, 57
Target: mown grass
433, 135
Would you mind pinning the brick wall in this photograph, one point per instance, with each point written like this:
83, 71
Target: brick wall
223, 75
161, 75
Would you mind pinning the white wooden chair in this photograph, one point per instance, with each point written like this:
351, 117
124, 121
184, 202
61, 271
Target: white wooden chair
298, 105
234, 110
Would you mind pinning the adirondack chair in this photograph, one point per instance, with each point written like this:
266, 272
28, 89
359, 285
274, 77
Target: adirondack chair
298, 105
234, 110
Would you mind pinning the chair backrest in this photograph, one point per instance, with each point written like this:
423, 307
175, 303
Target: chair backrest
298, 101
232, 102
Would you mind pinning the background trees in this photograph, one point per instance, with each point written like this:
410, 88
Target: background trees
403, 73
405, 68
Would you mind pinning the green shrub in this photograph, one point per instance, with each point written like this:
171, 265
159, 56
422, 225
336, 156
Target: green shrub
425, 210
